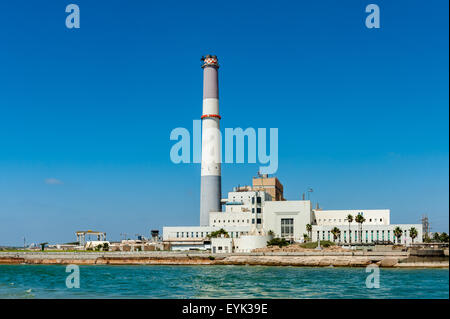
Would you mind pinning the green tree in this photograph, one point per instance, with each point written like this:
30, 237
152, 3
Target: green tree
219, 233
436, 237
413, 233
350, 220
444, 238
360, 220
398, 233
309, 230
336, 233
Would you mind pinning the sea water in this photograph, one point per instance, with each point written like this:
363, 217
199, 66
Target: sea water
100, 281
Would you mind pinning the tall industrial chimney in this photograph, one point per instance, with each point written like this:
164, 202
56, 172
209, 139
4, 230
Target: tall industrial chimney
210, 192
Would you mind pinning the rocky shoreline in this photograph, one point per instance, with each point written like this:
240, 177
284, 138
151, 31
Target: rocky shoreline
307, 259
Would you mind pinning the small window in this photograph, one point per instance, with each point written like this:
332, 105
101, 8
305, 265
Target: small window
258, 220
253, 220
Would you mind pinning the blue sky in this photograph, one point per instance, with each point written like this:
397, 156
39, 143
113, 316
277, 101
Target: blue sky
362, 113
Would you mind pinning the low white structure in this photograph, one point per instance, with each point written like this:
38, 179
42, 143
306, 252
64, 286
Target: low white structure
247, 243
222, 245
95, 243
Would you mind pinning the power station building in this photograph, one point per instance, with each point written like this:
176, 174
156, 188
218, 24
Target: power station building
254, 214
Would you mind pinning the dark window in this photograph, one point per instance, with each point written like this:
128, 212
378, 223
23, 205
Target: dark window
258, 210
258, 200
253, 220
253, 200
287, 227
253, 210
258, 220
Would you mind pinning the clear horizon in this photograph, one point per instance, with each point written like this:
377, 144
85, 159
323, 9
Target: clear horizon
86, 114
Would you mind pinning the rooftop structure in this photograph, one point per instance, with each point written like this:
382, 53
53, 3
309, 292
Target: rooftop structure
270, 185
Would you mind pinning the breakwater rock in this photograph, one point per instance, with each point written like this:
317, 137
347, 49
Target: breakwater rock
308, 259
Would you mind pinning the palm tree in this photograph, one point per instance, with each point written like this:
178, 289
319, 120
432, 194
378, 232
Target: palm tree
305, 237
398, 233
413, 233
360, 220
309, 230
336, 233
350, 220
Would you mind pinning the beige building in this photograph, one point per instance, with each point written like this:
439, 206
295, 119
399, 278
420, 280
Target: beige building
270, 185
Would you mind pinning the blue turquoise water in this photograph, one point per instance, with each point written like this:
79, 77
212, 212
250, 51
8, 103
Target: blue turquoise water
49, 281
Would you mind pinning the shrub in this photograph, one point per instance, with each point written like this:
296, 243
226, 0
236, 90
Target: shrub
280, 242
218, 233
312, 245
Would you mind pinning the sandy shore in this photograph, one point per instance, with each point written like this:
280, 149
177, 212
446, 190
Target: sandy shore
315, 259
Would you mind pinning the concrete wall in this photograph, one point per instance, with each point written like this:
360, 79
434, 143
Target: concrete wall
247, 243
274, 211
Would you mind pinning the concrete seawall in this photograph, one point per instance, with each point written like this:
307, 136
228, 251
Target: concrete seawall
316, 259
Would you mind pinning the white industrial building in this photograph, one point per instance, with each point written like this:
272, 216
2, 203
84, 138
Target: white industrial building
251, 218
254, 214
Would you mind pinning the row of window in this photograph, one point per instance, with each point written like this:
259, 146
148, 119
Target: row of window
346, 220
234, 221
200, 234
258, 199
372, 238
258, 221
